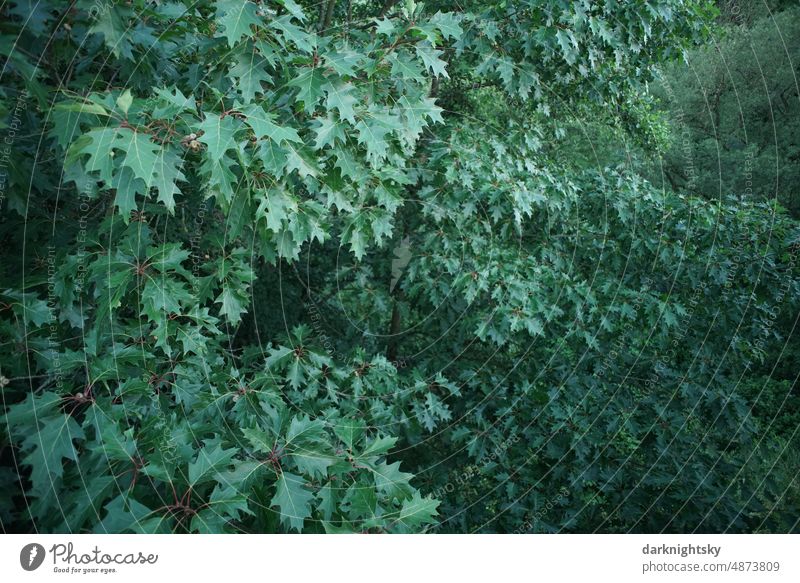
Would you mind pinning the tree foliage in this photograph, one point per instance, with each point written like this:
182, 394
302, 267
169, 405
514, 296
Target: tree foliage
289, 266
735, 106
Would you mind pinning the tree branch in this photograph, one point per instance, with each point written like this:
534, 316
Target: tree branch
328, 14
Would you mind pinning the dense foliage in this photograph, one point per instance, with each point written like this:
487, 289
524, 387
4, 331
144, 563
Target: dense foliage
736, 107
294, 266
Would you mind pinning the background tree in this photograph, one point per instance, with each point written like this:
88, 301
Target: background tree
734, 108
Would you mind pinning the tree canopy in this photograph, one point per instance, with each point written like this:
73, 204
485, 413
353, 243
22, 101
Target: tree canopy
387, 266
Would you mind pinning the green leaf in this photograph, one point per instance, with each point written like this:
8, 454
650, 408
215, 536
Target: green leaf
295, 374
415, 115
233, 304
358, 242
391, 481
430, 58
85, 107
275, 206
373, 132
210, 460
348, 165
293, 500
235, 18
328, 132
273, 157
218, 134
167, 172
98, 143
114, 445
302, 160
162, 296
293, 34
448, 24
168, 257
327, 501
115, 32
264, 125
417, 511
345, 62
378, 446
250, 73
47, 446
260, 440
219, 137
309, 82
569, 48
29, 308
361, 501
294, 9
173, 102
125, 514
312, 463
304, 432
405, 67
141, 155
127, 186
341, 98
124, 101
229, 502
26, 413
278, 355
385, 26
350, 431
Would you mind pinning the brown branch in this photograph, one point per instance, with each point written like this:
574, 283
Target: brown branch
329, 14
322, 13
434, 87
